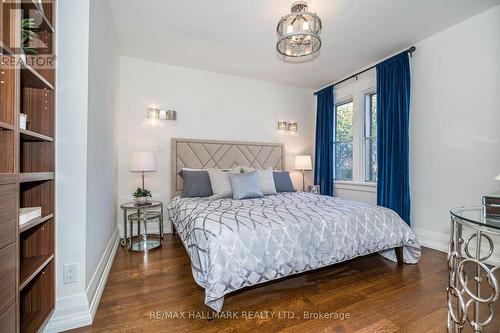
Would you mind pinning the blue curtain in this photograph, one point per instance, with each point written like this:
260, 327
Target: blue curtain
323, 166
393, 110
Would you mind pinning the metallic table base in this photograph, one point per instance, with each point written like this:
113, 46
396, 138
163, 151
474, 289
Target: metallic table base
464, 303
139, 209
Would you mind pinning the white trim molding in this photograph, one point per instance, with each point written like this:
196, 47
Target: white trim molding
98, 281
439, 241
431, 239
71, 312
79, 310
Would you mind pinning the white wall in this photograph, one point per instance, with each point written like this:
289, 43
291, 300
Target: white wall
86, 233
209, 106
455, 123
101, 156
71, 154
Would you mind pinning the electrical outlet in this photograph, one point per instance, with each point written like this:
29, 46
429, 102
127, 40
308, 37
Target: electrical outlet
70, 273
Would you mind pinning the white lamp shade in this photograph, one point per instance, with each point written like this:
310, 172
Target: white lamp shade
143, 161
497, 177
303, 162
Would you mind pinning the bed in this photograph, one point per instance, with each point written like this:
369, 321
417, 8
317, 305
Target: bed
235, 244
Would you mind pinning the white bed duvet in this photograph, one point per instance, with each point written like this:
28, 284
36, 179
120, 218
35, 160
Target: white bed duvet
238, 243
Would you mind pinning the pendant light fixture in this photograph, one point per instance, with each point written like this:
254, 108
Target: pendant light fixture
299, 32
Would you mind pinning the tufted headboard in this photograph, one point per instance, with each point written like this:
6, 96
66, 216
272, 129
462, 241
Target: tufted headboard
201, 154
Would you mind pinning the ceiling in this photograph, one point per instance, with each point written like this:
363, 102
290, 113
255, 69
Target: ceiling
237, 37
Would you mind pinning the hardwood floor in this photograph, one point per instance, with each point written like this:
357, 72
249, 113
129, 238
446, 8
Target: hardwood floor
378, 296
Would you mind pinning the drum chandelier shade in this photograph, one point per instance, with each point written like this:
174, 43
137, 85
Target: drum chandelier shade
299, 32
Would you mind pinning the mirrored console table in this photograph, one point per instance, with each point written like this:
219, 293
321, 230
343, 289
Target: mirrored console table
473, 287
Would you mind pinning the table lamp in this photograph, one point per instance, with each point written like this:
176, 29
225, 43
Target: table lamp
142, 162
303, 163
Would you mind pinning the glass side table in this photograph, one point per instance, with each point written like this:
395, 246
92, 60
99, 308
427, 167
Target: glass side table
469, 295
142, 214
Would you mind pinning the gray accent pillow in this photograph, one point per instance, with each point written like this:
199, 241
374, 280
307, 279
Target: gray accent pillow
266, 179
283, 182
196, 184
245, 185
221, 186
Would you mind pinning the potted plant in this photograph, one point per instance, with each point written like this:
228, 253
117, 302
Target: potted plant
141, 196
28, 34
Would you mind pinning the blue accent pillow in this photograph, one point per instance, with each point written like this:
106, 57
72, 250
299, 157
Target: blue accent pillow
245, 185
283, 182
196, 184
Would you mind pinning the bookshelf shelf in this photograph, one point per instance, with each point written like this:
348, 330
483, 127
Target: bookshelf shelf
6, 126
26, 177
30, 267
31, 136
33, 223
32, 79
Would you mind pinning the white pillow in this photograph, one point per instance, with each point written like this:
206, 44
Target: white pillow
221, 185
266, 179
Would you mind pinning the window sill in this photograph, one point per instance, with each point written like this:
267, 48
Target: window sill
355, 186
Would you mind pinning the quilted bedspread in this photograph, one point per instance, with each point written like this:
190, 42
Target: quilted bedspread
233, 244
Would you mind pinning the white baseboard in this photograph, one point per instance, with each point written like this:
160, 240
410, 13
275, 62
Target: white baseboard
98, 280
439, 241
79, 310
434, 240
71, 312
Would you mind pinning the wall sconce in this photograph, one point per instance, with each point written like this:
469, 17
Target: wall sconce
154, 112
168, 115
288, 126
282, 125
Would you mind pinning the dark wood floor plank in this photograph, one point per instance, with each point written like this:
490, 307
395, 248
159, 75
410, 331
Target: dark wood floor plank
380, 296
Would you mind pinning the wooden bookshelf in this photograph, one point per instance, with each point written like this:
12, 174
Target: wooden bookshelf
9, 186
27, 170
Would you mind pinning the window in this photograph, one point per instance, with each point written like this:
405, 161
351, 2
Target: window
355, 134
371, 137
343, 140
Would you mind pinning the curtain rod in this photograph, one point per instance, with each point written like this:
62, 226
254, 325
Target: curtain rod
410, 51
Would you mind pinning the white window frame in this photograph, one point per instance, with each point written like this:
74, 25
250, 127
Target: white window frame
366, 93
355, 91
